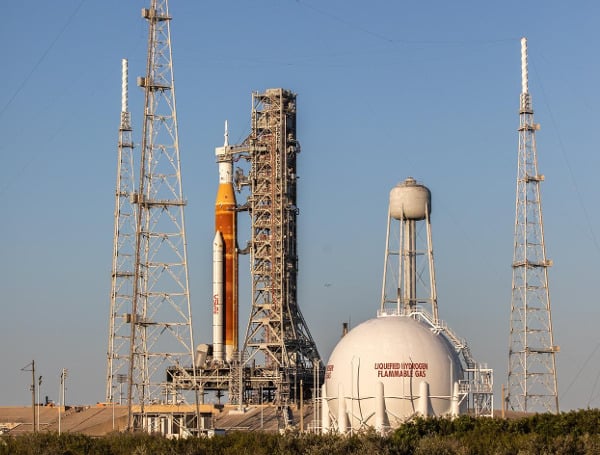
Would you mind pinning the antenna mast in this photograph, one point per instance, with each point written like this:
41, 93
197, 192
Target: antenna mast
532, 385
121, 293
161, 347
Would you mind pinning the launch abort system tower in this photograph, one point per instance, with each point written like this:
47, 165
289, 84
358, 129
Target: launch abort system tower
532, 385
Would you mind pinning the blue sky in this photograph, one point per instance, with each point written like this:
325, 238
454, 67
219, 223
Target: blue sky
386, 90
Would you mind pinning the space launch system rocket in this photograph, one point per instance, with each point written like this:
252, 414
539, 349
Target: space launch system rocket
225, 261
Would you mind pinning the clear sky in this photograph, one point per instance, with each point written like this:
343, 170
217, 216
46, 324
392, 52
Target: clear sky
386, 90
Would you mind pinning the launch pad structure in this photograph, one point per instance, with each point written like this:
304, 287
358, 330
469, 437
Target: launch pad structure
151, 349
278, 361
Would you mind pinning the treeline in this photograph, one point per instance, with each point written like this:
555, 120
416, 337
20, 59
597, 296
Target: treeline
570, 433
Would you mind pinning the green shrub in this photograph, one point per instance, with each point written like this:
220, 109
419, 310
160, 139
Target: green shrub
575, 432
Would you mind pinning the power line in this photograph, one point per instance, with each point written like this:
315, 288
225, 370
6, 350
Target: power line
564, 155
581, 369
41, 59
387, 39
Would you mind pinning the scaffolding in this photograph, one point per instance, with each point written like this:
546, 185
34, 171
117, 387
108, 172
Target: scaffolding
277, 336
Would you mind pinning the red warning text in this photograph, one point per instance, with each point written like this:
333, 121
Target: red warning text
401, 369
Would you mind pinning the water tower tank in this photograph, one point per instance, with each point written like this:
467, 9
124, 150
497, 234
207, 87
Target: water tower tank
410, 200
401, 355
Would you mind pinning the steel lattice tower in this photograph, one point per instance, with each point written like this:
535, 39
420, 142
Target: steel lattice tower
161, 331
532, 385
121, 293
277, 336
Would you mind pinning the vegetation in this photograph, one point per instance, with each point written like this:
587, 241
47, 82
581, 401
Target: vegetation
567, 433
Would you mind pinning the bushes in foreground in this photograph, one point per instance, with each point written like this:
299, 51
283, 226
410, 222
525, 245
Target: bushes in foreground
567, 433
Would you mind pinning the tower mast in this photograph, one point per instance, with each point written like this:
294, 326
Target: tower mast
277, 336
532, 384
121, 293
161, 347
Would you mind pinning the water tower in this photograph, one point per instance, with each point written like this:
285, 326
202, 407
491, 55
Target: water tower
410, 202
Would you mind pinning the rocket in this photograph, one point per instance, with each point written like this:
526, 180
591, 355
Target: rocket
225, 261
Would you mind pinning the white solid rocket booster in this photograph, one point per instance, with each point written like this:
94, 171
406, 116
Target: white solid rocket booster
218, 296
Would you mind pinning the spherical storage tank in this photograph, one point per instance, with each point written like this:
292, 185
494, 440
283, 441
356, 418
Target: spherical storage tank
387, 370
410, 200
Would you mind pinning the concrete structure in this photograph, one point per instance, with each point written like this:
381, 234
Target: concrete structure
103, 418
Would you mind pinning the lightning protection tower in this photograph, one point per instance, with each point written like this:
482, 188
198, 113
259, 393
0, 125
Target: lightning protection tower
121, 293
277, 337
532, 385
161, 347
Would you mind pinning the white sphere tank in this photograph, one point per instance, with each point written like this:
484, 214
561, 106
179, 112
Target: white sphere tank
410, 200
400, 355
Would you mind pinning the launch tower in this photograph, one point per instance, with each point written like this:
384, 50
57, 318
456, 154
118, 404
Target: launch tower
532, 385
279, 357
277, 336
121, 293
161, 345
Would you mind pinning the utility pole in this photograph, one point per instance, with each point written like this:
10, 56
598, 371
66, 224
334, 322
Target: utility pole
38, 402
532, 384
32, 388
61, 395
